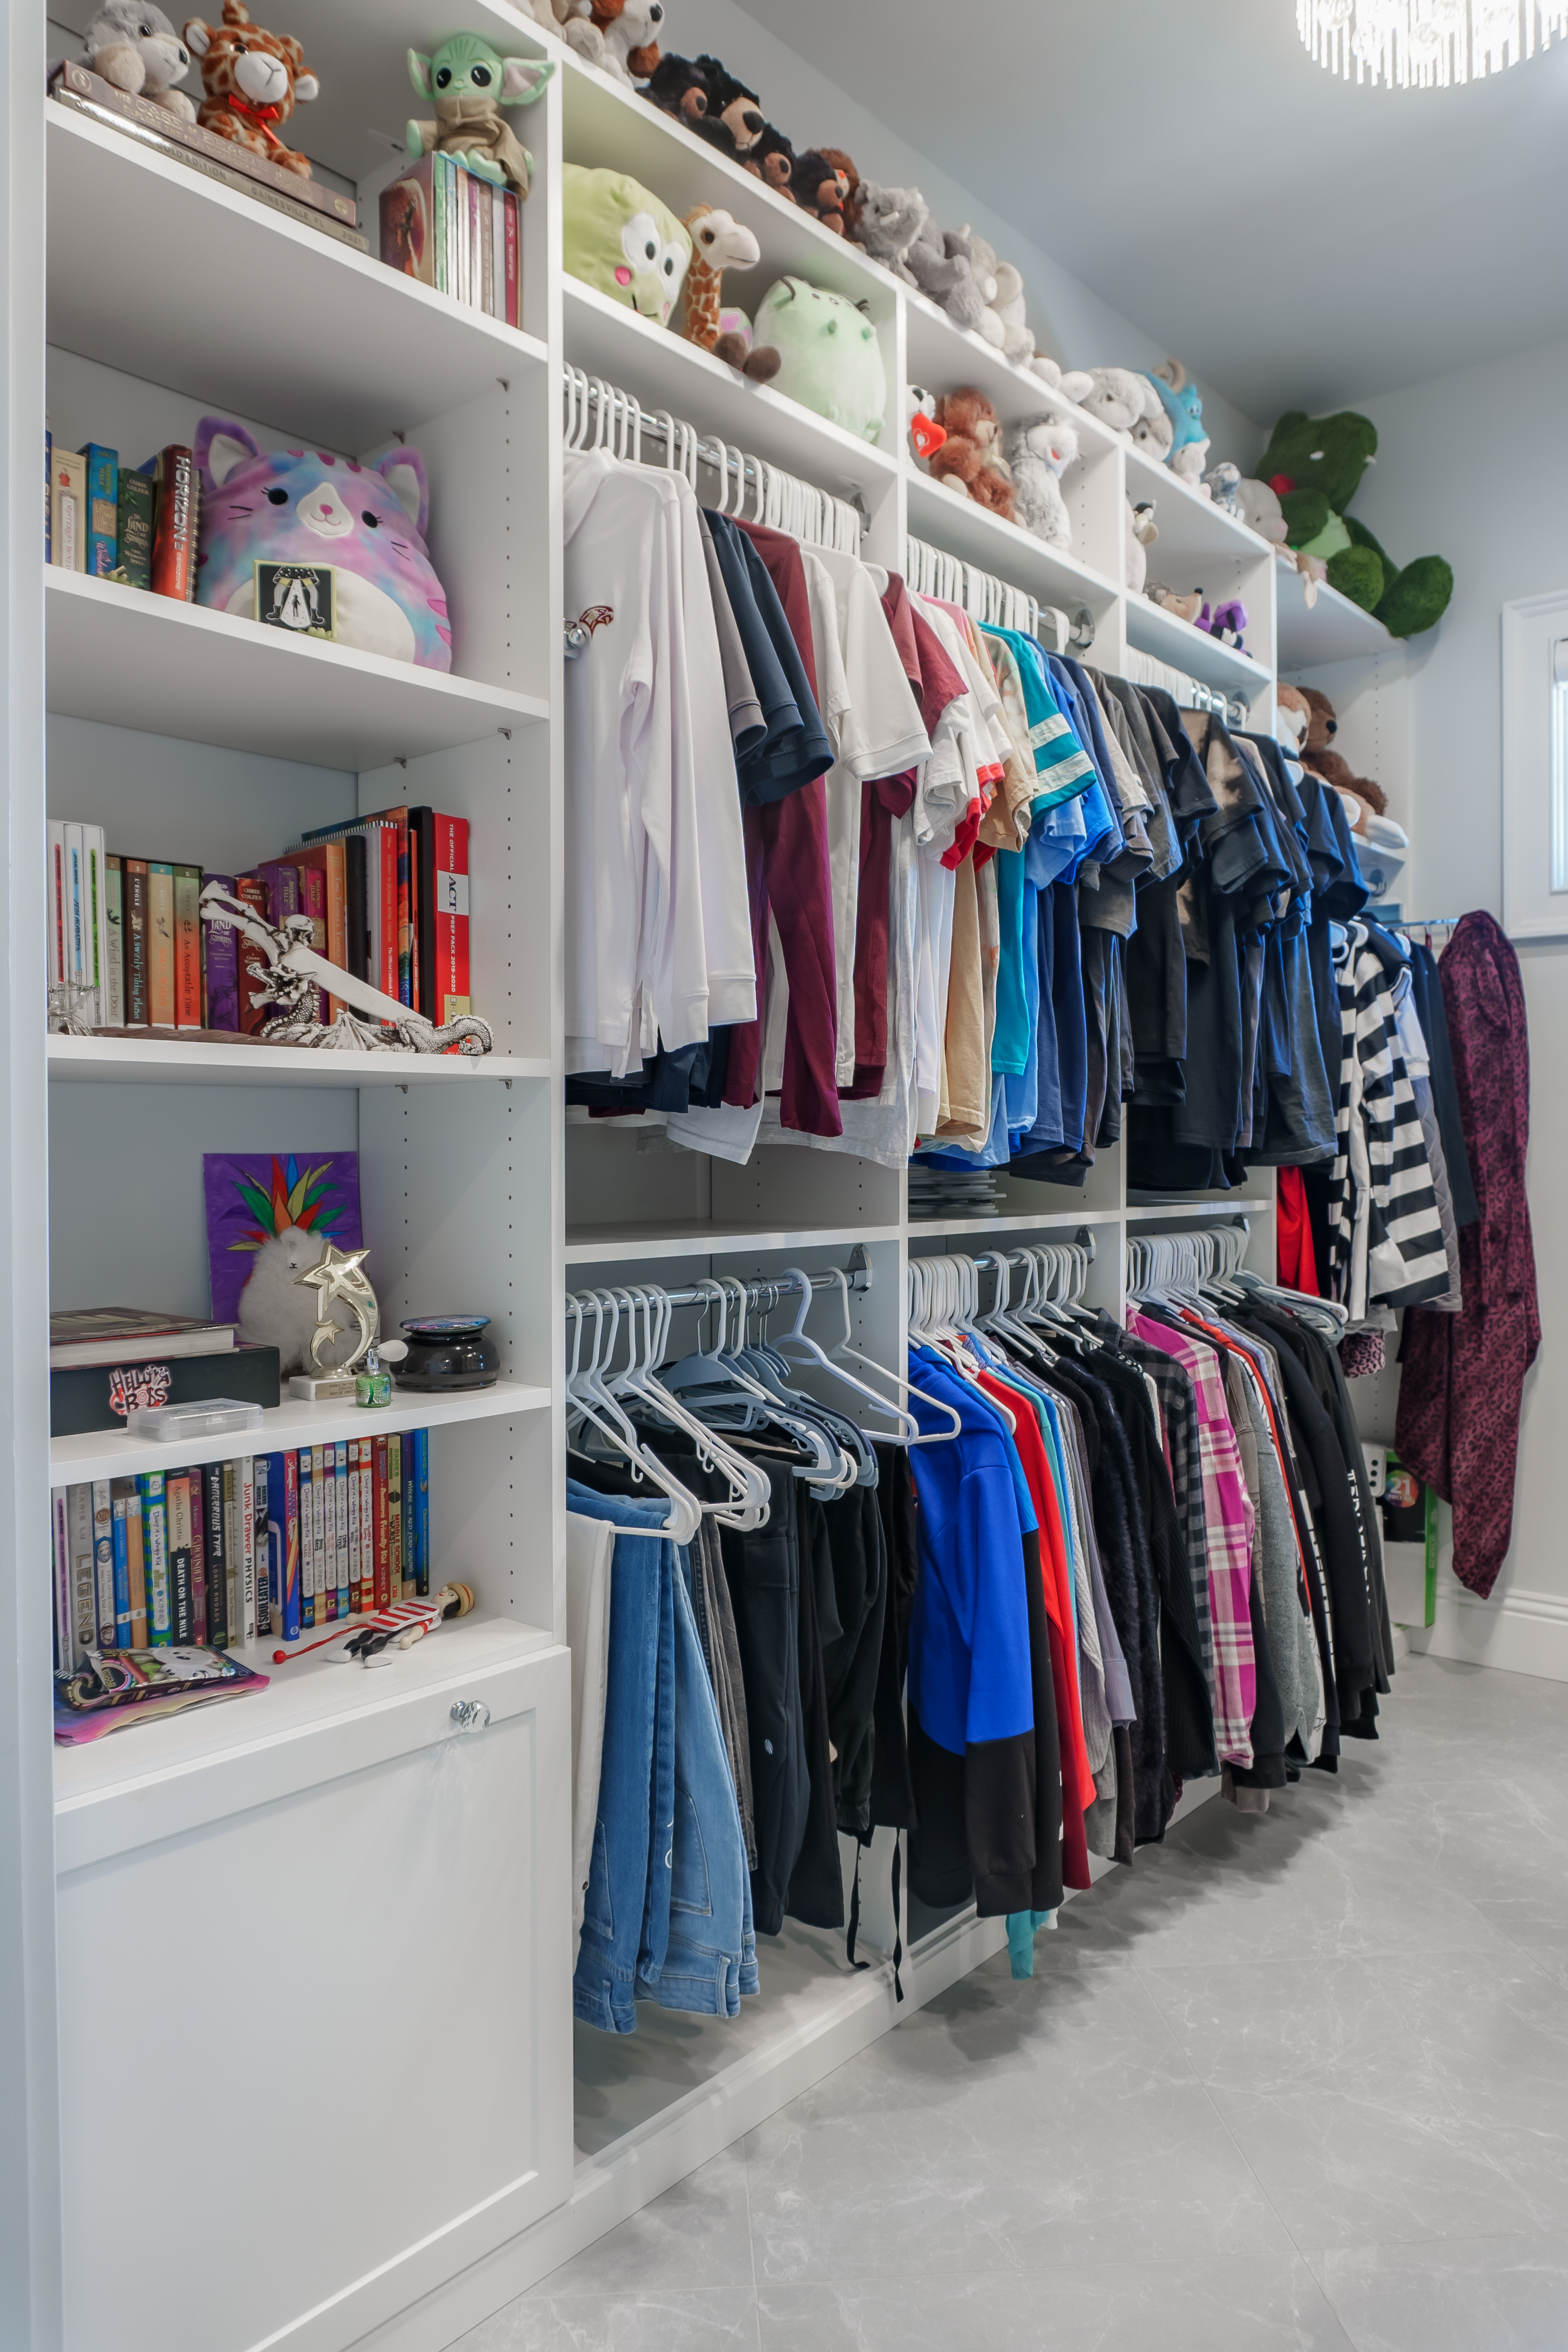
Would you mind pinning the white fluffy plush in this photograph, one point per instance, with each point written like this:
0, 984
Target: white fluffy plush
1039, 450
1260, 509
1141, 536
1121, 400
276, 1311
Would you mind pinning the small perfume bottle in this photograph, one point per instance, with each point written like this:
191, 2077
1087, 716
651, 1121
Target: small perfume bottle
373, 1386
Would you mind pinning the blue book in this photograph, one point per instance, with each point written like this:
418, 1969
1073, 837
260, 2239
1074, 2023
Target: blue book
422, 1512
122, 1542
283, 1602
103, 509
262, 1524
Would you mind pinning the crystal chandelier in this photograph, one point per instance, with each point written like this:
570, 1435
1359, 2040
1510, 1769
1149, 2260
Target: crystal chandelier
1426, 43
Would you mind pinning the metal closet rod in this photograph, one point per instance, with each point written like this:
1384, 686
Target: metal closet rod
766, 1288
717, 454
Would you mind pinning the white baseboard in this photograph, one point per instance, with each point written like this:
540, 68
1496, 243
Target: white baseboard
1522, 1631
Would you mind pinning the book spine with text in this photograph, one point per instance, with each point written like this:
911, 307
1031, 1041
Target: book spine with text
67, 511
54, 890
261, 1539
251, 890
175, 511
382, 1529
177, 1504
307, 1542
340, 1493
104, 1562
97, 865
313, 902
102, 492
220, 967
198, 1555
356, 1548
245, 1497
290, 1579
160, 944
451, 919
155, 1554
394, 1445
114, 933
122, 1491
215, 1527
135, 530
323, 1508
138, 951
187, 947
60, 1578
513, 260
84, 1584
422, 1512
367, 1523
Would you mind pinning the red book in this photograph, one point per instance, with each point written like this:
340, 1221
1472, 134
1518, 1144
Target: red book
382, 1530
252, 889
513, 263
450, 901
199, 1559
383, 843
176, 507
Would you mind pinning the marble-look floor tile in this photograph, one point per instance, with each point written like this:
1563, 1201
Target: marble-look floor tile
1481, 2295
698, 2230
651, 2320
1239, 2304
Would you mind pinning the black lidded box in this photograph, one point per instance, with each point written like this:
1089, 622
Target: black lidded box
97, 1396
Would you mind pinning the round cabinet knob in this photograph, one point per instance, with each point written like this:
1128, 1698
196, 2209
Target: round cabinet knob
470, 1714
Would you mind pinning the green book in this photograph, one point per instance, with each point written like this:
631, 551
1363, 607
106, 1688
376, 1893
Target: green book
102, 506
155, 1553
134, 567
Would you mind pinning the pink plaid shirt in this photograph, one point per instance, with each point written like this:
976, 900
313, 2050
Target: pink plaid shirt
1227, 1510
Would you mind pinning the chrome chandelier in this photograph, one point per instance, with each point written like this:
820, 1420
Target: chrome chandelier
1426, 43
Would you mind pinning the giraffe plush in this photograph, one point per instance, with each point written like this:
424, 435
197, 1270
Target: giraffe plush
719, 242
251, 80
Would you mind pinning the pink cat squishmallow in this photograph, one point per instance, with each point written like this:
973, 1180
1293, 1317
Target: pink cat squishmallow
300, 506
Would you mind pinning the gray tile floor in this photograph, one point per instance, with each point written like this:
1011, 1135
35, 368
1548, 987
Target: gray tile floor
1299, 2082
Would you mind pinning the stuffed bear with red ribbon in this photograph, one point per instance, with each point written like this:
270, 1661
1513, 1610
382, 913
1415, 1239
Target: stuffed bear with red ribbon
252, 80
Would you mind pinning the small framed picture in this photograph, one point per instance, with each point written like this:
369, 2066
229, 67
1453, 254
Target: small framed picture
299, 597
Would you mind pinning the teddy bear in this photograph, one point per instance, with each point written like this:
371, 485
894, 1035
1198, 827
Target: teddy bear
136, 48
1009, 306
969, 460
838, 161
619, 37
469, 84
1315, 466
986, 266
830, 357
732, 119
1141, 533
1038, 451
889, 221
1152, 434
771, 159
1117, 398
1315, 726
678, 87
939, 261
252, 80
821, 185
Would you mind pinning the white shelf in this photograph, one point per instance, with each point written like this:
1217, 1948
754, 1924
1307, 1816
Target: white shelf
307, 1692
355, 354
611, 127
1168, 638
1332, 629
1192, 528
942, 357
697, 1237
1144, 1212
975, 1228
666, 372
128, 658
133, 1060
110, 1453
960, 527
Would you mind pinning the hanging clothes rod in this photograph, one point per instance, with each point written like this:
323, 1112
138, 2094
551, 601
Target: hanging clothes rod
1421, 923
601, 416
767, 1290
993, 602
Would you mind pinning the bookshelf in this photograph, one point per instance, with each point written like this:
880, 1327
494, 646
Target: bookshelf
331, 1847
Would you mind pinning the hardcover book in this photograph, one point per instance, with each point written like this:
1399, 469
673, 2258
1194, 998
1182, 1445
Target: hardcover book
176, 512
133, 520
89, 89
103, 509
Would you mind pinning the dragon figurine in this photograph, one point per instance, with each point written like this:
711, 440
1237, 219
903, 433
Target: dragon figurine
291, 974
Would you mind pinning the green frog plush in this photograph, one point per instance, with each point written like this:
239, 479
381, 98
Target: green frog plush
619, 237
831, 359
1314, 466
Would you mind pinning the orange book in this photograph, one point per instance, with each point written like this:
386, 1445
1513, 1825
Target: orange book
327, 858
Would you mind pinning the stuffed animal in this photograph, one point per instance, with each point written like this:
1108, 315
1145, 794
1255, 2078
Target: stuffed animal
1315, 466
830, 357
1142, 534
251, 80
821, 185
889, 221
1316, 727
1009, 306
1226, 622
302, 508
1259, 508
619, 238
733, 120
1185, 608
1074, 383
969, 460
469, 85
719, 242
940, 264
926, 435
1152, 432
1179, 398
1221, 483
986, 265
136, 48
838, 161
1117, 398
679, 86
1038, 452
619, 37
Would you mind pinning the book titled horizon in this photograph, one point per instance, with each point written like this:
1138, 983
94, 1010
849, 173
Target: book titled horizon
124, 1335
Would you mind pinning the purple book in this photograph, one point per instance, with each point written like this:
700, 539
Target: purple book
282, 891
220, 944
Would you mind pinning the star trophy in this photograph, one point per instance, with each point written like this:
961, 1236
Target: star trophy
339, 1279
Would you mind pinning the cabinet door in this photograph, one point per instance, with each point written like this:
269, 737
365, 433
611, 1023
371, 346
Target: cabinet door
317, 2056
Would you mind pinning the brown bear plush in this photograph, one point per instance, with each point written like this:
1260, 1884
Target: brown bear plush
1311, 714
970, 458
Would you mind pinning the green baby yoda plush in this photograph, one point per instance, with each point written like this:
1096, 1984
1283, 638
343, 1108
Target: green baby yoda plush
619, 238
1314, 464
470, 84
832, 359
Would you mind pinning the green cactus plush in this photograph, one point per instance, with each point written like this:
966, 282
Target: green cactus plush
1314, 464
831, 357
619, 237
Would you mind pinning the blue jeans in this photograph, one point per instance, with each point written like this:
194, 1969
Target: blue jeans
712, 1956
625, 1920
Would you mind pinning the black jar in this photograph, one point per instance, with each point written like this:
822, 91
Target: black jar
447, 1352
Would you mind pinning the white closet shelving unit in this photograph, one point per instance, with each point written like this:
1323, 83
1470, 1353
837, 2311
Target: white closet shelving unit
286, 2055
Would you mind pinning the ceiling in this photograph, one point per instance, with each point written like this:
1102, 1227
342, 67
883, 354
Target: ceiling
1299, 240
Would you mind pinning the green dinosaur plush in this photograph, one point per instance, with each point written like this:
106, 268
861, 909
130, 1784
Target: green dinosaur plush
1314, 464
619, 238
831, 358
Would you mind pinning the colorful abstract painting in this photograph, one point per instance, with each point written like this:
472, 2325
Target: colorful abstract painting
255, 1198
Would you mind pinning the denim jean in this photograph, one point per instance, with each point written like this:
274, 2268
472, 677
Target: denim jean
625, 1920
711, 1959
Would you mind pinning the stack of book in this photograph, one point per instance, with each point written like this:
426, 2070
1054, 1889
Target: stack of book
248, 173
386, 895
458, 233
105, 1362
226, 1553
137, 526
